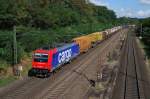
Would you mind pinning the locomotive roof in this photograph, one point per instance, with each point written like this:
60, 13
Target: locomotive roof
58, 45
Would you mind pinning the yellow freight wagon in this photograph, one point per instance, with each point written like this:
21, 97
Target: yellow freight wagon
84, 43
95, 38
98, 36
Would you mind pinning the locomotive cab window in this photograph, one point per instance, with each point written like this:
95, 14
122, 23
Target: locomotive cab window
40, 57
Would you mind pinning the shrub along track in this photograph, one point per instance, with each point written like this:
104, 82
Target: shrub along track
131, 82
57, 83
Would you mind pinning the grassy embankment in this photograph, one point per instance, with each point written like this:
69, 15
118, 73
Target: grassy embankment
145, 50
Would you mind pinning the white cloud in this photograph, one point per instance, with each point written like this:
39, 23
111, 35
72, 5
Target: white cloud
124, 12
127, 12
143, 14
132, 13
145, 1
122, 9
100, 2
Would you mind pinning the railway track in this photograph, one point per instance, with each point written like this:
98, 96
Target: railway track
57, 83
64, 86
129, 84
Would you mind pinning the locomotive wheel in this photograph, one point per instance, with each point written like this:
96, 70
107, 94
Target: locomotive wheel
30, 73
48, 74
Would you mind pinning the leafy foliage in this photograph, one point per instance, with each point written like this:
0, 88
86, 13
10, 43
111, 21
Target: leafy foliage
46, 22
145, 23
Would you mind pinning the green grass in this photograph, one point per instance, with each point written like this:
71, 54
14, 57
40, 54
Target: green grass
7, 80
146, 49
25, 70
5, 76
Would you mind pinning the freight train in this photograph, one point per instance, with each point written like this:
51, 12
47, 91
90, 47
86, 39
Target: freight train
46, 60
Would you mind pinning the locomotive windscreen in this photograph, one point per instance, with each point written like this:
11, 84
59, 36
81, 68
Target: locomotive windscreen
40, 57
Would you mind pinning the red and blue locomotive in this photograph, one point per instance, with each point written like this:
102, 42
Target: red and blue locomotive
46, 60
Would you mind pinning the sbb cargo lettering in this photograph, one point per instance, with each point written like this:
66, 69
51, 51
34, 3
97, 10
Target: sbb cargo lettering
64, 56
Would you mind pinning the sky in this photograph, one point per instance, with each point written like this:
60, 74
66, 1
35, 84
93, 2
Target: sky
128, 8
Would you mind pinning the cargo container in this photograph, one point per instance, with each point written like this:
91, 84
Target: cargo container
110, 32
101, 36
47, 60
95, 37
84, 43
104, 35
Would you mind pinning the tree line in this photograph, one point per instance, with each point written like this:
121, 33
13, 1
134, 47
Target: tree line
47, 22
143, 30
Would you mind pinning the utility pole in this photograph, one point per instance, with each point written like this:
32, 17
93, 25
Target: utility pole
141, 29
87, 1
15, 46
141, 32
